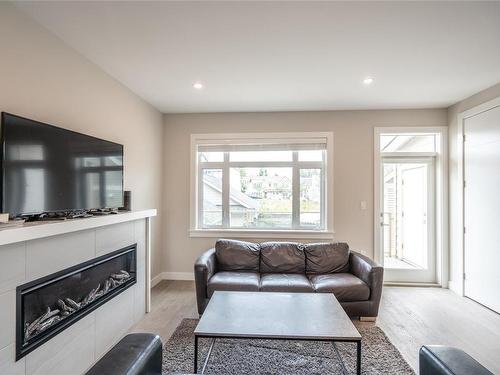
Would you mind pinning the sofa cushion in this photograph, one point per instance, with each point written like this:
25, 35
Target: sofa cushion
237, 255
324, 258
285, 282
282, 257
345, 286
238, 281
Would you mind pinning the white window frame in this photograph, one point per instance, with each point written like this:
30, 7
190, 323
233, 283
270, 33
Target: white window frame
441, 192
293, 233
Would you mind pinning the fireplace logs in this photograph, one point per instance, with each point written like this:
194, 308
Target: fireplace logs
68, 306
49, 305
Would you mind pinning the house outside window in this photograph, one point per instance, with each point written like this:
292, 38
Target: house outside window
262, 182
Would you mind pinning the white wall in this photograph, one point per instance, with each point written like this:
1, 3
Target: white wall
454, 183
353, 164
44, 79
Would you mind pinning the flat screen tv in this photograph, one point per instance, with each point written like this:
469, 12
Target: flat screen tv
47, 169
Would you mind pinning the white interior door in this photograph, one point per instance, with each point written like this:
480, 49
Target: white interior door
408, 220
482, 208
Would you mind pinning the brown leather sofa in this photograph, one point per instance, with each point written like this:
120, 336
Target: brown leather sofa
355, 280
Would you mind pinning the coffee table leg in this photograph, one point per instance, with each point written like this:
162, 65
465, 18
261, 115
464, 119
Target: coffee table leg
205, 364
196, 354
358, 359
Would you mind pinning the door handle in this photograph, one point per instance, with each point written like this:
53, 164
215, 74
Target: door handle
382, 217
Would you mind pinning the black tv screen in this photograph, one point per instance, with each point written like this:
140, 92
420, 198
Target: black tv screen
50, 169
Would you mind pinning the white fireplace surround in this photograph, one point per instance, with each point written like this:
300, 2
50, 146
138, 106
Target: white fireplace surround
38, 249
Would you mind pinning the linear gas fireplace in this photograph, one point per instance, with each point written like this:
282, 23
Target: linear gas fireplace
49, 305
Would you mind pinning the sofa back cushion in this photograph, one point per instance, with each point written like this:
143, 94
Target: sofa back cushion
324, 258
234, 255
282, 257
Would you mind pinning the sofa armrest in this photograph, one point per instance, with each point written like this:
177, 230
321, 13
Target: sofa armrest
135, 354
445, 360
204, 267
371, 273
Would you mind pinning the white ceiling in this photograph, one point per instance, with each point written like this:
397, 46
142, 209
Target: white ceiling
281, 56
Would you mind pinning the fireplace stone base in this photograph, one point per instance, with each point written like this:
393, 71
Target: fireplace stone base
78, 347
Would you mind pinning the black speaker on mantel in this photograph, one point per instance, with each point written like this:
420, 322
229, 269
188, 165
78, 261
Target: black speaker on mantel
127, 200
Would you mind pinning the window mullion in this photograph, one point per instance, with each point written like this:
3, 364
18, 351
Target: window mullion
323, 199
225, 191
199, 219
296, 191
211, 165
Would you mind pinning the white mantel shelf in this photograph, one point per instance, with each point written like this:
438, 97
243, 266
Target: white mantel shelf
41, 229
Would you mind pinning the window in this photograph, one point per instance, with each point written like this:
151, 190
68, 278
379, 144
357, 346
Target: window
407, 143
261, 182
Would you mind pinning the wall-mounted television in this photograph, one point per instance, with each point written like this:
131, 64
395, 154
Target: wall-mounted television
47, 169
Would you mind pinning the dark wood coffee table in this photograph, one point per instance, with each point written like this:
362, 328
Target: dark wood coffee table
275, 316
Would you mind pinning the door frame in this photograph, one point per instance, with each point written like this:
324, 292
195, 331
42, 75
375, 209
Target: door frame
430, 161
458, 224
441, 195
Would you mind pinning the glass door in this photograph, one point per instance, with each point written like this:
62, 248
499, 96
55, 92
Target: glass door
407, 219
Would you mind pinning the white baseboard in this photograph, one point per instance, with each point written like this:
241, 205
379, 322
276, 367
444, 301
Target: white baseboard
155, 280
455, 287
188, 276
178, 276
426, 285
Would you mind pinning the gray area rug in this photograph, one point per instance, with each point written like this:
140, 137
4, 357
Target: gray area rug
233, 356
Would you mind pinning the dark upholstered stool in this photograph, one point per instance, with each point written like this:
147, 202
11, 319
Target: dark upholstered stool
135, 354
445, 360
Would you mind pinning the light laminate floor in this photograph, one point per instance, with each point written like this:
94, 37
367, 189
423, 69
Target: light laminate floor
409, 316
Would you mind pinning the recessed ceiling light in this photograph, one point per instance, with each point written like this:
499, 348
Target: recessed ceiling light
368, 81
198, 85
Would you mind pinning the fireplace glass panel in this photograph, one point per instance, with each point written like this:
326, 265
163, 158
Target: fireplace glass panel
50, 304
